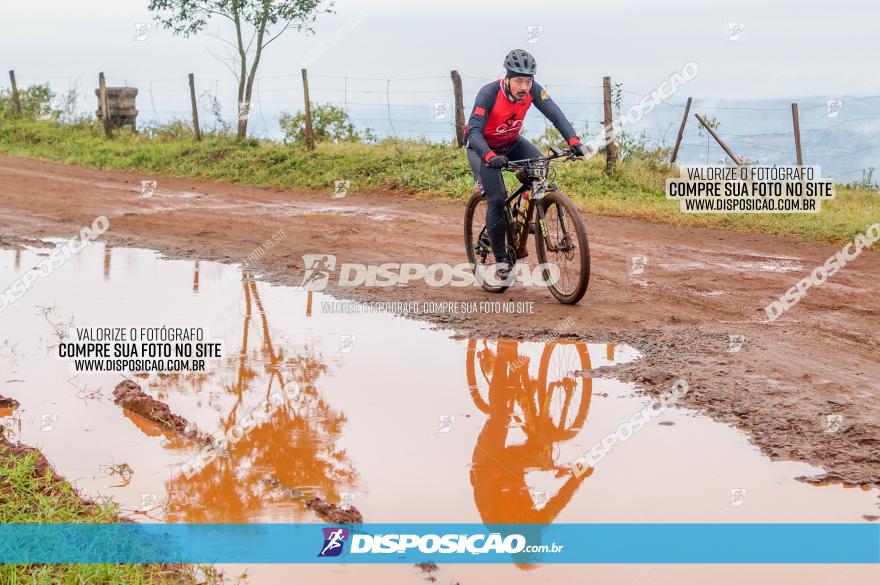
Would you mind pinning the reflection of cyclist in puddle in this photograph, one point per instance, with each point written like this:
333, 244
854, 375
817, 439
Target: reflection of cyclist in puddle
498, 472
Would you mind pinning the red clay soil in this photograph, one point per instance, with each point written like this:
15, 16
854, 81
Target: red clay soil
332, 513
700, 287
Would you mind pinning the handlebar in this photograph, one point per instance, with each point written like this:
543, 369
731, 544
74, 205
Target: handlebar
568, 154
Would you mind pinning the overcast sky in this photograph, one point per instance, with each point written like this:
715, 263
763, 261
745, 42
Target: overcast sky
805, 51
787, 48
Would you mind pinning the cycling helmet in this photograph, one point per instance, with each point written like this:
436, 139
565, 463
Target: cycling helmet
520, 63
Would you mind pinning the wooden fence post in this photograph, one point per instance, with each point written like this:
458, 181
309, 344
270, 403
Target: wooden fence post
15, 98
310, 133
726, 148
105, 110
459, 107
610, 144
195, 110
684, 118
797, 134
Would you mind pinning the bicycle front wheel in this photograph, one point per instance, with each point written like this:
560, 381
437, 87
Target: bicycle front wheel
561, 241
565, 393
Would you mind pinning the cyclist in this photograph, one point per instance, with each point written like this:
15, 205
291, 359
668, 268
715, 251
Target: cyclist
493, 139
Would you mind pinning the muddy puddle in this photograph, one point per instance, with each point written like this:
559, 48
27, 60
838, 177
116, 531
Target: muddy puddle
406, 423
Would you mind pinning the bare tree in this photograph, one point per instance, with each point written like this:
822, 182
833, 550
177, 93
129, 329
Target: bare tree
262, 20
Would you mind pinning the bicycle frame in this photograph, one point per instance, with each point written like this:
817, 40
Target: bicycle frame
521, 238
538, 187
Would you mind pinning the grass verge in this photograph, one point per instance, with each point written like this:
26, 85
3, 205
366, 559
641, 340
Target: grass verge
31, 492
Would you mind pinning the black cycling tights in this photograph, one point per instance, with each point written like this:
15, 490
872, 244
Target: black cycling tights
493, 187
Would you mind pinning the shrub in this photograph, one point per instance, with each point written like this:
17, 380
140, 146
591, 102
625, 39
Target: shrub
329, 123
37, 102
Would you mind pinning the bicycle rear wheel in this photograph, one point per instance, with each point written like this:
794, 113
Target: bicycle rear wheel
477, 243
561, 240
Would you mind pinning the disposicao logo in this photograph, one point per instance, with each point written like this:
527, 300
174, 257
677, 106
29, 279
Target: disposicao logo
334, 541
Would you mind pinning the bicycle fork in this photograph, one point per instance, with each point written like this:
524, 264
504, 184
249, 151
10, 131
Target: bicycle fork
564, 244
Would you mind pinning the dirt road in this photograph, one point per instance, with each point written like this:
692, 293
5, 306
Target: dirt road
699, 288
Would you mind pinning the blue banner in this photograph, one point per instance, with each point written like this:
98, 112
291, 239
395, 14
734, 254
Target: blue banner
448, 543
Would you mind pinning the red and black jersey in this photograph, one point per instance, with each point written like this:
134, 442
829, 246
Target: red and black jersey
497, 120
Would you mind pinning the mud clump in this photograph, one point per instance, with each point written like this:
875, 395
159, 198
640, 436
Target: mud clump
825, 479
654, 376
427, 567
276, 486
333, 513
8, 402
129, 396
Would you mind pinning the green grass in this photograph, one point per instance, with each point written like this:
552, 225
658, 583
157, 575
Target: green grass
30, 494
635, 190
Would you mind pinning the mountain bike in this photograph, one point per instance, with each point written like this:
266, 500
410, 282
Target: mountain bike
537, 207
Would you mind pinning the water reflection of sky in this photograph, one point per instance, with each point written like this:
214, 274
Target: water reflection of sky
409, 424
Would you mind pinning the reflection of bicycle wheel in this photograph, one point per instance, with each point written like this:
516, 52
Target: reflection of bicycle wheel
563, 391
480, 361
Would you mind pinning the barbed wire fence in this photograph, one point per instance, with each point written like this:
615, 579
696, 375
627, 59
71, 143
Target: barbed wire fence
835, 134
